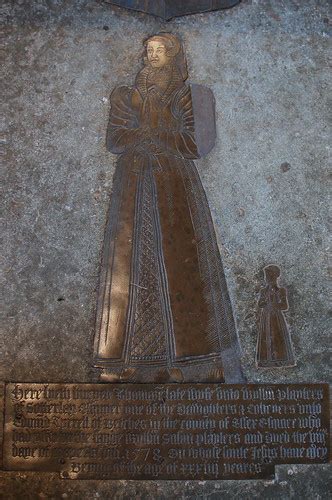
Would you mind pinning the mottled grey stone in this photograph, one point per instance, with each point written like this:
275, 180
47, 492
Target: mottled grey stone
266, 181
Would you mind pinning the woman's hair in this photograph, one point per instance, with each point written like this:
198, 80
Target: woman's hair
174, 49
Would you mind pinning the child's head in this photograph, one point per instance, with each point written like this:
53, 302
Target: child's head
272, 273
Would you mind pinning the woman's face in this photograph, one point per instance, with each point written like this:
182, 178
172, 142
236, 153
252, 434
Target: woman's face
156, 52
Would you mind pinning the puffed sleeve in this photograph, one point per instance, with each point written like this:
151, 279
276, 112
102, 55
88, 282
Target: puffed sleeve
181, 142
123, 127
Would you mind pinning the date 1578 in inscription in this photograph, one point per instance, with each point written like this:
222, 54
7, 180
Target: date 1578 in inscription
192, 431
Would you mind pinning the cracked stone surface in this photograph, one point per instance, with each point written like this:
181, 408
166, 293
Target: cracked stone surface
266, 182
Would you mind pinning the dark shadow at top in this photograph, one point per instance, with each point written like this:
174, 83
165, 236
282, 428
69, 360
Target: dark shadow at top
167, 9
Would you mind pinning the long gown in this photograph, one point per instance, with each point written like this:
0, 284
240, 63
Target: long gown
274, 347
163, 305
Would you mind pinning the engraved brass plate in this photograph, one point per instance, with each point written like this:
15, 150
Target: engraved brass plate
274, 346
164, 314
173, 8
189, 431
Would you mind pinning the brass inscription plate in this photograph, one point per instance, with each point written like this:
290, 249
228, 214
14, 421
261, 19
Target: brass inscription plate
149, 431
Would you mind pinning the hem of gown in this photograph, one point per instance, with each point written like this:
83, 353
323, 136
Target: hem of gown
178, 362
177, 373
276, 364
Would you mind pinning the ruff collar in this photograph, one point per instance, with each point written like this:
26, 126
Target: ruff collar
166, 79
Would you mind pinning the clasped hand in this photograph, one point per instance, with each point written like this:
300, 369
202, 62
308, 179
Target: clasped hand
148, 141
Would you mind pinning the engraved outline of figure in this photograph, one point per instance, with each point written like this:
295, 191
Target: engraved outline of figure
163, 308
274, 348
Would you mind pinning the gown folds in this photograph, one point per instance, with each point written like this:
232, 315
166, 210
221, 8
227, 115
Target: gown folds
163, 310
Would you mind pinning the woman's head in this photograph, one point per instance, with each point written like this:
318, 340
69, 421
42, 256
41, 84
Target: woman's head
165, 49
158, 52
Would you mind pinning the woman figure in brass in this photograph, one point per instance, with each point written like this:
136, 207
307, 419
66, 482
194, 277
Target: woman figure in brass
274, 347
163, 312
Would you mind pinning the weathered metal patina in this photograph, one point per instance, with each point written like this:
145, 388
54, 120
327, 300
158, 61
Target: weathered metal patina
173, 8
274, 347
173, 431
164, 312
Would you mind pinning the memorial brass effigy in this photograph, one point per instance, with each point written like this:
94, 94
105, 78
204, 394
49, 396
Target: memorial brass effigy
164, 313
274, 347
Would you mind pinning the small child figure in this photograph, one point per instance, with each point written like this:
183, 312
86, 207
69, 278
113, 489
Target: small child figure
274, 348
